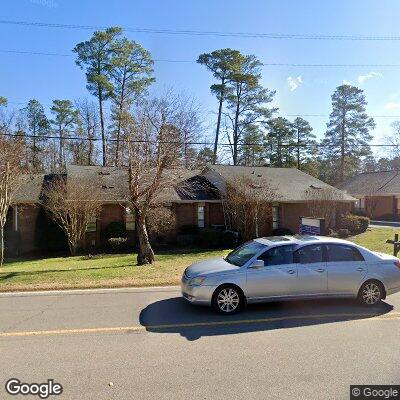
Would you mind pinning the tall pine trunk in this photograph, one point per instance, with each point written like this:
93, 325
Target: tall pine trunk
221, 101
103, 134
145, 254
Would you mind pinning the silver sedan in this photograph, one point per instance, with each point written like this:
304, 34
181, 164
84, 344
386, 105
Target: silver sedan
291, 267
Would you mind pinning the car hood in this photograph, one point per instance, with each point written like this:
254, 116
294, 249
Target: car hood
209, 266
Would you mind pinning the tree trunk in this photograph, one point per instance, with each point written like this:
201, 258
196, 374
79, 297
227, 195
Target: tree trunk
103, 134
342, 144
221, 100
298, 148
72, 247
1, 246
235, 136
145, 254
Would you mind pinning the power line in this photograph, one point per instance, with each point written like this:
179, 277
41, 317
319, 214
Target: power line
204, 143
207, 33
265, 64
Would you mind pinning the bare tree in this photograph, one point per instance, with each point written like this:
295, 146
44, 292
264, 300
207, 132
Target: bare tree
72, 204
324, 202
248, 204
11, 155
156, 146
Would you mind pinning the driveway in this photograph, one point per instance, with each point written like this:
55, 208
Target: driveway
384, 224
150, 344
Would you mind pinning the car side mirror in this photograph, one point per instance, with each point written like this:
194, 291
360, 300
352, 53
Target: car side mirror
257, 264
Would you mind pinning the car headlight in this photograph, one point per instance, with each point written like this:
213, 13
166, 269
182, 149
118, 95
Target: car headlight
197, 281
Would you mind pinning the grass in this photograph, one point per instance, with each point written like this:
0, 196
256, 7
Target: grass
120, 270
112, 270
375, 239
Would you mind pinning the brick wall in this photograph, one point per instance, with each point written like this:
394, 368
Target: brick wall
381, 206
290, 214
27, 217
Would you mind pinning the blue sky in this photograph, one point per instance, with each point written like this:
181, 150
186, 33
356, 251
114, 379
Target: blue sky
48, 77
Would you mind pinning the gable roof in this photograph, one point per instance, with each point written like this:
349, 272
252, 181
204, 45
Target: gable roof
373, 183
112, 183
291, 184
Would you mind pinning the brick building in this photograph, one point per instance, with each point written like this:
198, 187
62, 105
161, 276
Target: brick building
377, 193
202, 206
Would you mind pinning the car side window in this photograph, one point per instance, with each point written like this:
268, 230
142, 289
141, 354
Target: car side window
340, 252
309, 254
277, 255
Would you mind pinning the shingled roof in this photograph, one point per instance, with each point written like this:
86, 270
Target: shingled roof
112, 183
291, 184
373, 183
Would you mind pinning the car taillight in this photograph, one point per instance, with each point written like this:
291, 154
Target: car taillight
397, 263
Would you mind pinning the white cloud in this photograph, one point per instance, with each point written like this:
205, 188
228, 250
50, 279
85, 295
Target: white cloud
346, 82
294, 83
363, 78
392, 105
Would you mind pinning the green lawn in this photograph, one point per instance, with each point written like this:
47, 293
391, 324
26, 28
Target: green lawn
375, 239
118, 270
114, 270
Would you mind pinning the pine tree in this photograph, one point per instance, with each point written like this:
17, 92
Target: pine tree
222, 63
280, 142
348, 135
38, 126
305, 142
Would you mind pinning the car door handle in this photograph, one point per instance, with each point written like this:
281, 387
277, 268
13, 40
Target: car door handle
360, 269
320, 270
291, 271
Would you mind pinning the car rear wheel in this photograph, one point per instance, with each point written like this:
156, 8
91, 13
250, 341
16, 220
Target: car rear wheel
371, 293
227, 300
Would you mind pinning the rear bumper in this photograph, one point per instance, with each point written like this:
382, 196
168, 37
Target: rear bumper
200, 295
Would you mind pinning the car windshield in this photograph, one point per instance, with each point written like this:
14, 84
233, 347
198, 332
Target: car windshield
244, 253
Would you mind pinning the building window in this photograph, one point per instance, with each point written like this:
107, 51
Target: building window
275, 217
92, 225
200, 216
129, 219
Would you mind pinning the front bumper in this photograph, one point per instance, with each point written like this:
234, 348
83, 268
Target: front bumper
201, 295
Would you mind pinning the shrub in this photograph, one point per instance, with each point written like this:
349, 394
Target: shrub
117, 244
229, 239
185, 240
343, 233
210, 238
115, 229
282, 231
354, 223
189, 229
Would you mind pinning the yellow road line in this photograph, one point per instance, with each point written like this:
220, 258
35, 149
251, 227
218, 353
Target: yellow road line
139, 328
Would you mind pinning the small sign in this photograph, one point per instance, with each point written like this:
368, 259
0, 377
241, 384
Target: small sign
312, 226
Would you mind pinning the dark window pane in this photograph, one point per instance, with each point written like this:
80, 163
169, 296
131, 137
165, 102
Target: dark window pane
309, 254
338, 252
278, 255
244, 253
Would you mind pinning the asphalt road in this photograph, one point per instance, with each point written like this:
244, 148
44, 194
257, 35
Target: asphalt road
150, 344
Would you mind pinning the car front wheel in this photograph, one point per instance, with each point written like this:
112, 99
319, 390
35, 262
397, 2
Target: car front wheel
371, 293
227, 300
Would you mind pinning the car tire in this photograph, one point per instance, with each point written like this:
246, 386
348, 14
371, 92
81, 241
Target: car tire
371, 293
228, 300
